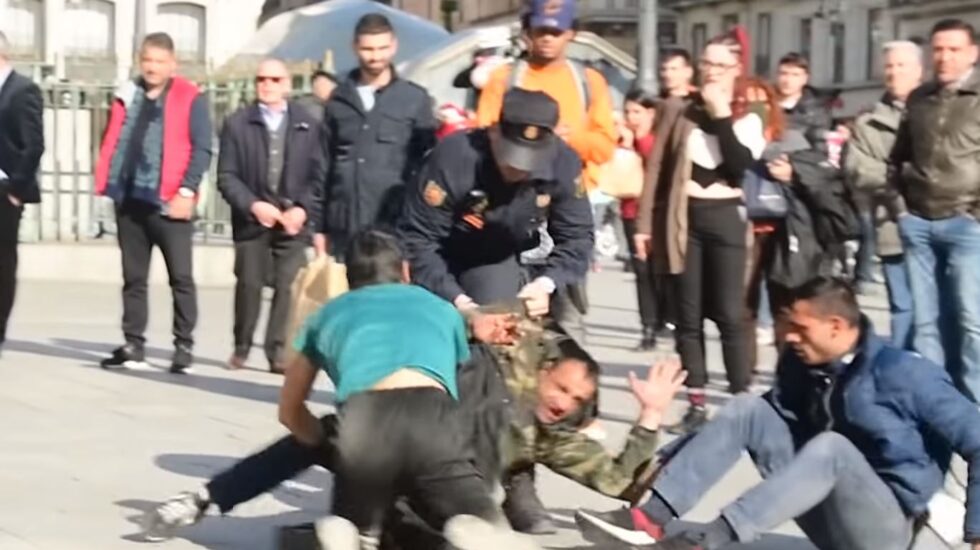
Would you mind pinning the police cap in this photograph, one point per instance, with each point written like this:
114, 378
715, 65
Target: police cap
527, 124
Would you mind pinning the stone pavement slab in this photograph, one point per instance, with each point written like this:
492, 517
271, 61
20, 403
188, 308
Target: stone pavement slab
83, 451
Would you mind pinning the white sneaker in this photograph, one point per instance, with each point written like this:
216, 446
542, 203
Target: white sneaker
764, 336
472, 533
185, 509
337, 533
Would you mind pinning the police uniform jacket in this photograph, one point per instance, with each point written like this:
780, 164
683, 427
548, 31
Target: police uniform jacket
460, 214
370, 155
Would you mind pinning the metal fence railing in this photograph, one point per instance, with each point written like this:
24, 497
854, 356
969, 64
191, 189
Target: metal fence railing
75, 117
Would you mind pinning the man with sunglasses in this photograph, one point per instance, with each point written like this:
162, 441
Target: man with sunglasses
270, 170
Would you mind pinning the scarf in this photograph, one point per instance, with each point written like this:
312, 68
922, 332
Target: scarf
146, 177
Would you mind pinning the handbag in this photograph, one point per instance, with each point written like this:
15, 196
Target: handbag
765, 199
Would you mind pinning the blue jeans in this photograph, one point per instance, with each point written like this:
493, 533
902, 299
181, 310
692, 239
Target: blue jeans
943, 258
899, 300
825, 484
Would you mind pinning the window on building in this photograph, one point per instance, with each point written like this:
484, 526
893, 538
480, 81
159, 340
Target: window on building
763, 44
699, 38
837, 36
876, 39
185, 23
89, 28
729, 22
806, 37
23, 23
633, 4
667, 33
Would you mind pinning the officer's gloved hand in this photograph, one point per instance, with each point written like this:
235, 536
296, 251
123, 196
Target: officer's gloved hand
536, 296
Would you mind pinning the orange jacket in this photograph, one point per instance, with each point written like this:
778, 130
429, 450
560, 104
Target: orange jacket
593, 133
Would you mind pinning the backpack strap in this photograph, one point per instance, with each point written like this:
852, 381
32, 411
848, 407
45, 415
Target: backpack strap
519, 68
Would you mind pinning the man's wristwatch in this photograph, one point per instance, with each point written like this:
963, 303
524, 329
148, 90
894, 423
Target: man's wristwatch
186, 193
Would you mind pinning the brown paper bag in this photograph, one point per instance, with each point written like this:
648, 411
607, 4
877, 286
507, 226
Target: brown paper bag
622, 177
316, 284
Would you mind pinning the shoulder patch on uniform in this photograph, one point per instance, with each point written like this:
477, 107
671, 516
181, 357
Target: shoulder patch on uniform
433, 194
543, 200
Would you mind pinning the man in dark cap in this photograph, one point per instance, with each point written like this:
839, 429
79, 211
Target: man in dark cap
477, 205
480, 199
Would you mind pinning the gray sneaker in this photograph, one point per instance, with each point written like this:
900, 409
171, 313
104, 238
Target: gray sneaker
160, 523
472, 533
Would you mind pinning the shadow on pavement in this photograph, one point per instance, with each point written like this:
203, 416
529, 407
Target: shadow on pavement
224, 532
103, 350
226, 386
308, 491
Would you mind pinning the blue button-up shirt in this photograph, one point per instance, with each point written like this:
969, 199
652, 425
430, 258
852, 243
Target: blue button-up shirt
273, 118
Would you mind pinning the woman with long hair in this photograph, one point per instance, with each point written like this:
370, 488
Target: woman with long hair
692, 218
639, 114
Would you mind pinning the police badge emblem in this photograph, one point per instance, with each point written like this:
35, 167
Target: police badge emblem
433, 194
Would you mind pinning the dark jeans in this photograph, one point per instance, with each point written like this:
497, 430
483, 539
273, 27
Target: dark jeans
282, 255
9, 227
653, 292
825, 484
141, 228
434, 468
266, 469
777, 296
864, 262
712, 286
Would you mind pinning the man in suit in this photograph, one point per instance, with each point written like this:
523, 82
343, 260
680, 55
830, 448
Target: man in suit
21, 147
270, 170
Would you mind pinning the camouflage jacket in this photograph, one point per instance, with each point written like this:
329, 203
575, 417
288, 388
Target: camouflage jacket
561, 448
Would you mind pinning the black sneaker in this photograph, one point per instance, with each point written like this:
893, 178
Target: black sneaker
648, 341
183, 359
695, 417
127, 356
625, 525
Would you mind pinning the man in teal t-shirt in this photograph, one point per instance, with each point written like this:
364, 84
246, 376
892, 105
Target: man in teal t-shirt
392, 351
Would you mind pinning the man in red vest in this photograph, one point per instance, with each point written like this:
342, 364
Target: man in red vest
155, 150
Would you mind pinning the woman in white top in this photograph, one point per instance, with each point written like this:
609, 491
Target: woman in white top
692, 217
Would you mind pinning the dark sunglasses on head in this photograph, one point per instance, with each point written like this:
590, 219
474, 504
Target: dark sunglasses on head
273, 79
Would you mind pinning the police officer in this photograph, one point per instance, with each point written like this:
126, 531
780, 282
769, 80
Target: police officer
479, 201
477, 205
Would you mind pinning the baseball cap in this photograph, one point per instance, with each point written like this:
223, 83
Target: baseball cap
527, 124
552, 14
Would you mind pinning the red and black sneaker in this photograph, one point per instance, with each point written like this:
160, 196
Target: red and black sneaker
626, 525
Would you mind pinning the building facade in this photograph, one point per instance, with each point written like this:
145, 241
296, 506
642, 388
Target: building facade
95, 40
617, 22
841, 38
464, 12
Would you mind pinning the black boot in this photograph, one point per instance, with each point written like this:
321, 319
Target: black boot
648, 340
523, 508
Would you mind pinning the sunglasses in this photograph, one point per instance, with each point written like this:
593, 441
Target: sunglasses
272, 79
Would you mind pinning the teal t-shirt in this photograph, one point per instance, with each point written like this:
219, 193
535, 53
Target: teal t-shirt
363, 336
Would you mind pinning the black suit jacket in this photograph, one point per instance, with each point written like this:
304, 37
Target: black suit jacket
21, 137
243, 165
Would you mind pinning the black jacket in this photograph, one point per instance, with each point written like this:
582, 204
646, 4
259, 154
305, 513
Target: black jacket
811, 116
21, 137
243, 167
371, 155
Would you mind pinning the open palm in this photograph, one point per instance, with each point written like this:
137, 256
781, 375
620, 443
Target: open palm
657, 390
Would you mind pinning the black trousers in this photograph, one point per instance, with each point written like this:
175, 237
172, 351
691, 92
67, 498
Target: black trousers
273, 253
712, 286
9, 227
654, 293
387, 448
141, 228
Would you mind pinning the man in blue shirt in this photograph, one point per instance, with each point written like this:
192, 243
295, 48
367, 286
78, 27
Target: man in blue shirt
392, 350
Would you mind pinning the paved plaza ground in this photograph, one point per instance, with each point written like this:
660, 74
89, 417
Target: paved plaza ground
84, 451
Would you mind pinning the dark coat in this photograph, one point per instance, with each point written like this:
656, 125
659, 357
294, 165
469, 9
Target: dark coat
21, 137
243, 165
900, 410
371, 155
